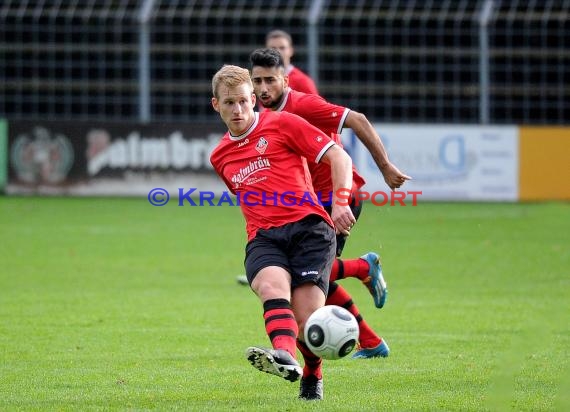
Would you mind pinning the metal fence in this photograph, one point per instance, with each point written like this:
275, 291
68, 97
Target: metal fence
433, 61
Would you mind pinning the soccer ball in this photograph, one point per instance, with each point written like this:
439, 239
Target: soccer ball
331, 332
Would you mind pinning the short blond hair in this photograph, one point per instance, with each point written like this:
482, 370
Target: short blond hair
230, 76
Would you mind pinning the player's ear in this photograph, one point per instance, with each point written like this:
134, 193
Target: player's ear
253, 98
215, 104
285, 81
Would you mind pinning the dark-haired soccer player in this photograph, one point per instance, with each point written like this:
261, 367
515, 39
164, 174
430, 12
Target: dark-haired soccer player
298, 80
270, 84
290, 246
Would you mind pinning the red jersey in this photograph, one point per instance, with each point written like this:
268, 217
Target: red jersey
300, 81
327, 117
266, 168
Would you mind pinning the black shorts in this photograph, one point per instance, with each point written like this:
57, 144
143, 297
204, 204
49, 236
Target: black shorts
305, 249
341, 239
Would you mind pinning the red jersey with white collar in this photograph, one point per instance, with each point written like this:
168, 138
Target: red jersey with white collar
266, 167
300, 81
327, 117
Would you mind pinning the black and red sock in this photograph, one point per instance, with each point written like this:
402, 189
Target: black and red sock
313, 364
339, 296
280, 325
349, 268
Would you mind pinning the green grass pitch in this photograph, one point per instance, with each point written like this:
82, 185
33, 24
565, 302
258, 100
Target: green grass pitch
113, 304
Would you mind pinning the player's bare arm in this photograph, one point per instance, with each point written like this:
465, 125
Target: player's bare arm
341, 173
366, 133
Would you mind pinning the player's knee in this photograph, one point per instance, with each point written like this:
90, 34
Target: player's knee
270, 290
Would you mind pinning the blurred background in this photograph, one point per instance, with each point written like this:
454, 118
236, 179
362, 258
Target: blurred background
98, 93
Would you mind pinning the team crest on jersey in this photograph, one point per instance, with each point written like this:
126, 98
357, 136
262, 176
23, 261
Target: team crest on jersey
261, 145
319, 139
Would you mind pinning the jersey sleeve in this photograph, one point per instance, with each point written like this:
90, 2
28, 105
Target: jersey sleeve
304, 138
326, 116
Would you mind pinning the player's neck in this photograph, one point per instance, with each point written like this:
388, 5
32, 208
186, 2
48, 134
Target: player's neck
279, 105
245, 132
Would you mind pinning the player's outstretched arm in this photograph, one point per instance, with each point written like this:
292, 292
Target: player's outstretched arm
366, 133
341, 174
